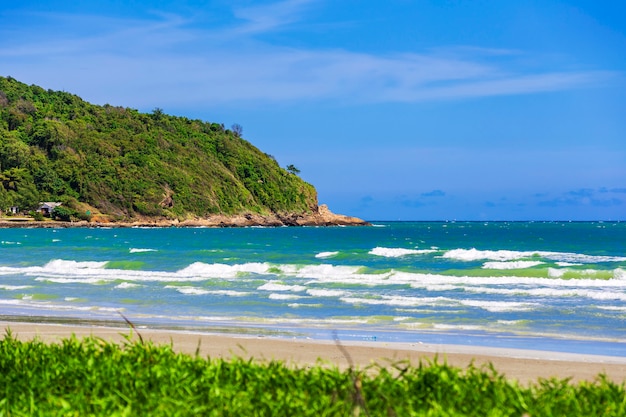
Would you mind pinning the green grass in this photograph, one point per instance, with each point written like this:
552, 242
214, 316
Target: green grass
93, 377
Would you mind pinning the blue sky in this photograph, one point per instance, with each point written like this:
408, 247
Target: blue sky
393, 110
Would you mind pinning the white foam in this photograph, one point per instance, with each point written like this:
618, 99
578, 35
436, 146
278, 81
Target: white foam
612, 308
425, 280
315, 292
511, 264
398, 252
499, 306
326, 254
328, 272
204, 270
60, 265
474, 254
441, 326
125, 285
28, 301
400, 301
188, 290
510, 322
229, 293
276, 286
94, 281
141, 250
590, 273
14, 287
275, 296
403, 301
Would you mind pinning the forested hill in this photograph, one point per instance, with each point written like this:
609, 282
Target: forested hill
125, 164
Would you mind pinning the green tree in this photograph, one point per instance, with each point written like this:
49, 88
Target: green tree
63, 213
292, 169
237, 129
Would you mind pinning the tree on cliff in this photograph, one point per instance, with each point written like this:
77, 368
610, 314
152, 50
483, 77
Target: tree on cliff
292, 169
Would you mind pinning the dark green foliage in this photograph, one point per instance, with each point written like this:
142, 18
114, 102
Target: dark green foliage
292, 169
54, 146
98, 378
63, 213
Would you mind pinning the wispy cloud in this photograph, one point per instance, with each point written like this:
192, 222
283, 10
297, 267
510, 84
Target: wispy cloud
602, 197
433, 193
424, 199
269, 17
189, 63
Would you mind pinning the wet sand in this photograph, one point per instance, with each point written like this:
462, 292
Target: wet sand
525, 366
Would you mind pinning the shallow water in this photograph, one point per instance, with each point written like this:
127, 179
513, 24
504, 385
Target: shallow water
537, 285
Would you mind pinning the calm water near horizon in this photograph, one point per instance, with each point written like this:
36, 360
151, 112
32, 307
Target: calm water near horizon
557, 286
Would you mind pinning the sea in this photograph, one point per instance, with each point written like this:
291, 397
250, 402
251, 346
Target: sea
553, 286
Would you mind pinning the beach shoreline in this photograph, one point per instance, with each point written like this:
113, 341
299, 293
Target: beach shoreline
319, 216
524, 366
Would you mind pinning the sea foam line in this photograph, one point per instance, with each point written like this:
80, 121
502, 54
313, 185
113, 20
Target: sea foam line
474, 254
398, 252
404, 301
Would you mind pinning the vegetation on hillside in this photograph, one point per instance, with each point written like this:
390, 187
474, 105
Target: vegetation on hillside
56, 147
92, 377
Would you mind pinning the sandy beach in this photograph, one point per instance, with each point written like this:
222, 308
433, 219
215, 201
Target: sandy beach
522, 365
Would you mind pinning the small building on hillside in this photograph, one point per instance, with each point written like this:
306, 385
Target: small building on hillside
47, 207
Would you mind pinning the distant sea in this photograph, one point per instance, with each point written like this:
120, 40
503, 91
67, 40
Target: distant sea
555, 286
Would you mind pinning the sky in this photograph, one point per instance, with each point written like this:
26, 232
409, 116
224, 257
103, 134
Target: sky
393, 110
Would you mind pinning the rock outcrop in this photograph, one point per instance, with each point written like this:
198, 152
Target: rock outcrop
321, 217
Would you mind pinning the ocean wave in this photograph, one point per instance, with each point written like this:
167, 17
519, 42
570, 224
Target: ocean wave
28, 302
141, 250
62, 265
400, 301
424, 280
14, 287
469, 255
276, 286
405, 301
188, 290
218, 270
511, 264
97, 273
398, 252
80, 280
326, 254
125, 285
319, 292
326, 272
230, 293
281, 296
602, 294
499, 306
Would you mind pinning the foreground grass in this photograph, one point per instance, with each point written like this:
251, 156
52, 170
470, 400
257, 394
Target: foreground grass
92, 377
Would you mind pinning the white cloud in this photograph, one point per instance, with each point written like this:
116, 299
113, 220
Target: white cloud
169, 60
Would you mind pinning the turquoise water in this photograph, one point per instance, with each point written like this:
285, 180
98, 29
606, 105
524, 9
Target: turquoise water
540, 285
